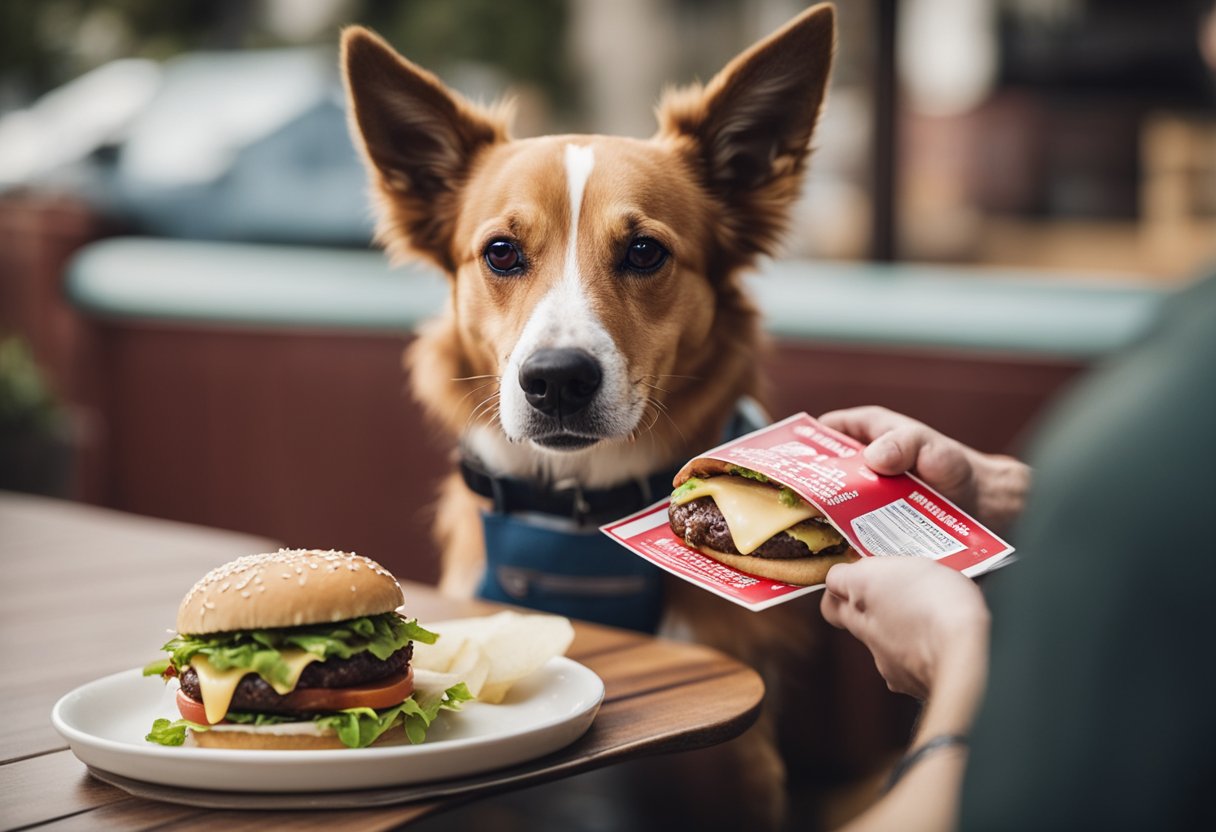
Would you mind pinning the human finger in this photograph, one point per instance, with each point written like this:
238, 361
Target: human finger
864, 423
945, 464
893, 440
832, 608
840, 579
898, 450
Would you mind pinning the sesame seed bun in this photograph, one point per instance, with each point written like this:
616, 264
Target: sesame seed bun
287, 588
798, 571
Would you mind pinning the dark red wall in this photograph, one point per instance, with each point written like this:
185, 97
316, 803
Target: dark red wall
312, 438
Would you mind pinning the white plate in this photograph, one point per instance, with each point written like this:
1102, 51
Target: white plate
105, 722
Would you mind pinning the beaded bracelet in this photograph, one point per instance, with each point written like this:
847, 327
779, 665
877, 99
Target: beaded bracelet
919, 753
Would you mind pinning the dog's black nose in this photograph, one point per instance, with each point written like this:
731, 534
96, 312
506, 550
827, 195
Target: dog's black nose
560, 382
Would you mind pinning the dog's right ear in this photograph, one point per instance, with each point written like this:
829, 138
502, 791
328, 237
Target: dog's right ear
418, 140
748, 129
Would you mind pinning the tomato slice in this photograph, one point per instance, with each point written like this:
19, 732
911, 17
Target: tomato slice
191, 709
382, 693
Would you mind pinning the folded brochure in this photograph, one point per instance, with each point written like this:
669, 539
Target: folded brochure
879, 515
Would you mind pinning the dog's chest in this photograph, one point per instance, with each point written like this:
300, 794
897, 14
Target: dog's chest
551, 565
544, 550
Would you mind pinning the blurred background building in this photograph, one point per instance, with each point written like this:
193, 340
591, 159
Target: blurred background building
1003, 187
1055, 133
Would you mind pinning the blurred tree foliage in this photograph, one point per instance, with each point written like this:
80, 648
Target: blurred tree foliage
44, 43
526, 40
27, 405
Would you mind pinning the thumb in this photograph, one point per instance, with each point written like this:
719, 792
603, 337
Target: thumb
839, 580
885, 455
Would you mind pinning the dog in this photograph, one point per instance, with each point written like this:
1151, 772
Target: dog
597, 333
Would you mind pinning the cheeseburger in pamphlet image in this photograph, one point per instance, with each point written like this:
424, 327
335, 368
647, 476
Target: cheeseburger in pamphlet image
744, 519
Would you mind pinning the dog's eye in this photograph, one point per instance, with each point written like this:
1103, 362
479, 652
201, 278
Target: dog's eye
644, 255
504, 257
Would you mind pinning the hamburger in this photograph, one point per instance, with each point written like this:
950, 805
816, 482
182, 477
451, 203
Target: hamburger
747, 521
296, 649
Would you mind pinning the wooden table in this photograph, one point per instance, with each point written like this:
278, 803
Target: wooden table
86, 592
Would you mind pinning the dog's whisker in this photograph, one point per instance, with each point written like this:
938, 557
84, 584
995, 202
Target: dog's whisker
474, 390
474, 378
659, 376
479, 406
658, 409
487, 405
645, 421
661, 408
658, 414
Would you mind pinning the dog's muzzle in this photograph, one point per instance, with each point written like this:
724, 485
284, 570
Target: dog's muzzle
559, 384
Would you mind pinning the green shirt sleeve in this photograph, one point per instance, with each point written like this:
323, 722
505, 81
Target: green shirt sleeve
1099, 712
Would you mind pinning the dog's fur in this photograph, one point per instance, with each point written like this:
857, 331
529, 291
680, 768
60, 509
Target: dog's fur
677, 346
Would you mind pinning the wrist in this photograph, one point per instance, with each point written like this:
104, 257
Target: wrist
936, 744
960, 682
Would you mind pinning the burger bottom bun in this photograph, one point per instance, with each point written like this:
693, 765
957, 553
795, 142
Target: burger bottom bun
797, 571
254, 740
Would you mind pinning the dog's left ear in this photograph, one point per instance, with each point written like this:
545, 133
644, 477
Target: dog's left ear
749, 129
419, 140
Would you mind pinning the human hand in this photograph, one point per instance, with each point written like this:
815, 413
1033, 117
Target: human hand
989, 486
925, 623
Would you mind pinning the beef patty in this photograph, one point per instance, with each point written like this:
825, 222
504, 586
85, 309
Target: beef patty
254, 694
700, 523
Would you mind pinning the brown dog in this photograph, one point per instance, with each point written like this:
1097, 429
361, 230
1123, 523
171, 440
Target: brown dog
597, 331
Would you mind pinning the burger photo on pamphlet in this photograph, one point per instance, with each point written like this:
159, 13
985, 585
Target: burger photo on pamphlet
751, 523
297, 649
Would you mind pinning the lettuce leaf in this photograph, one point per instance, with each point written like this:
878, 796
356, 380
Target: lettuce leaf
690, 484
740, 471
789, 498
258, 651
257, 719
165, 732
355, 727
360, 727
156, 668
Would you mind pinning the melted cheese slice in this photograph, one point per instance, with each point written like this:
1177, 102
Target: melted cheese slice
816, 537
218, 686
753, 511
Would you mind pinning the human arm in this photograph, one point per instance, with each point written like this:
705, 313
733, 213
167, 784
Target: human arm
927, 627
992, 487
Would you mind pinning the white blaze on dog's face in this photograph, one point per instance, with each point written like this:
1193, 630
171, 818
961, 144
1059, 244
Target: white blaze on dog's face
573, 380
594, 279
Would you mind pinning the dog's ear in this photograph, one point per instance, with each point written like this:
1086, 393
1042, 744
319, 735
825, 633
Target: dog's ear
418, 139
749, 129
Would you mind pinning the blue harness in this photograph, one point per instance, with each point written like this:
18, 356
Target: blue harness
544, 549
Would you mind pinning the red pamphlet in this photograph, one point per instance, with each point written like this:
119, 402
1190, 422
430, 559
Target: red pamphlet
880, 516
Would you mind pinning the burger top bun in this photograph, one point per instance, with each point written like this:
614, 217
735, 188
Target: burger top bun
287, 588
701, 467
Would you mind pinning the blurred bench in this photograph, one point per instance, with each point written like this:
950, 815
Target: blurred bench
260, 388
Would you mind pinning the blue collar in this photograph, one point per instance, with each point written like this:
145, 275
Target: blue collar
590, 507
